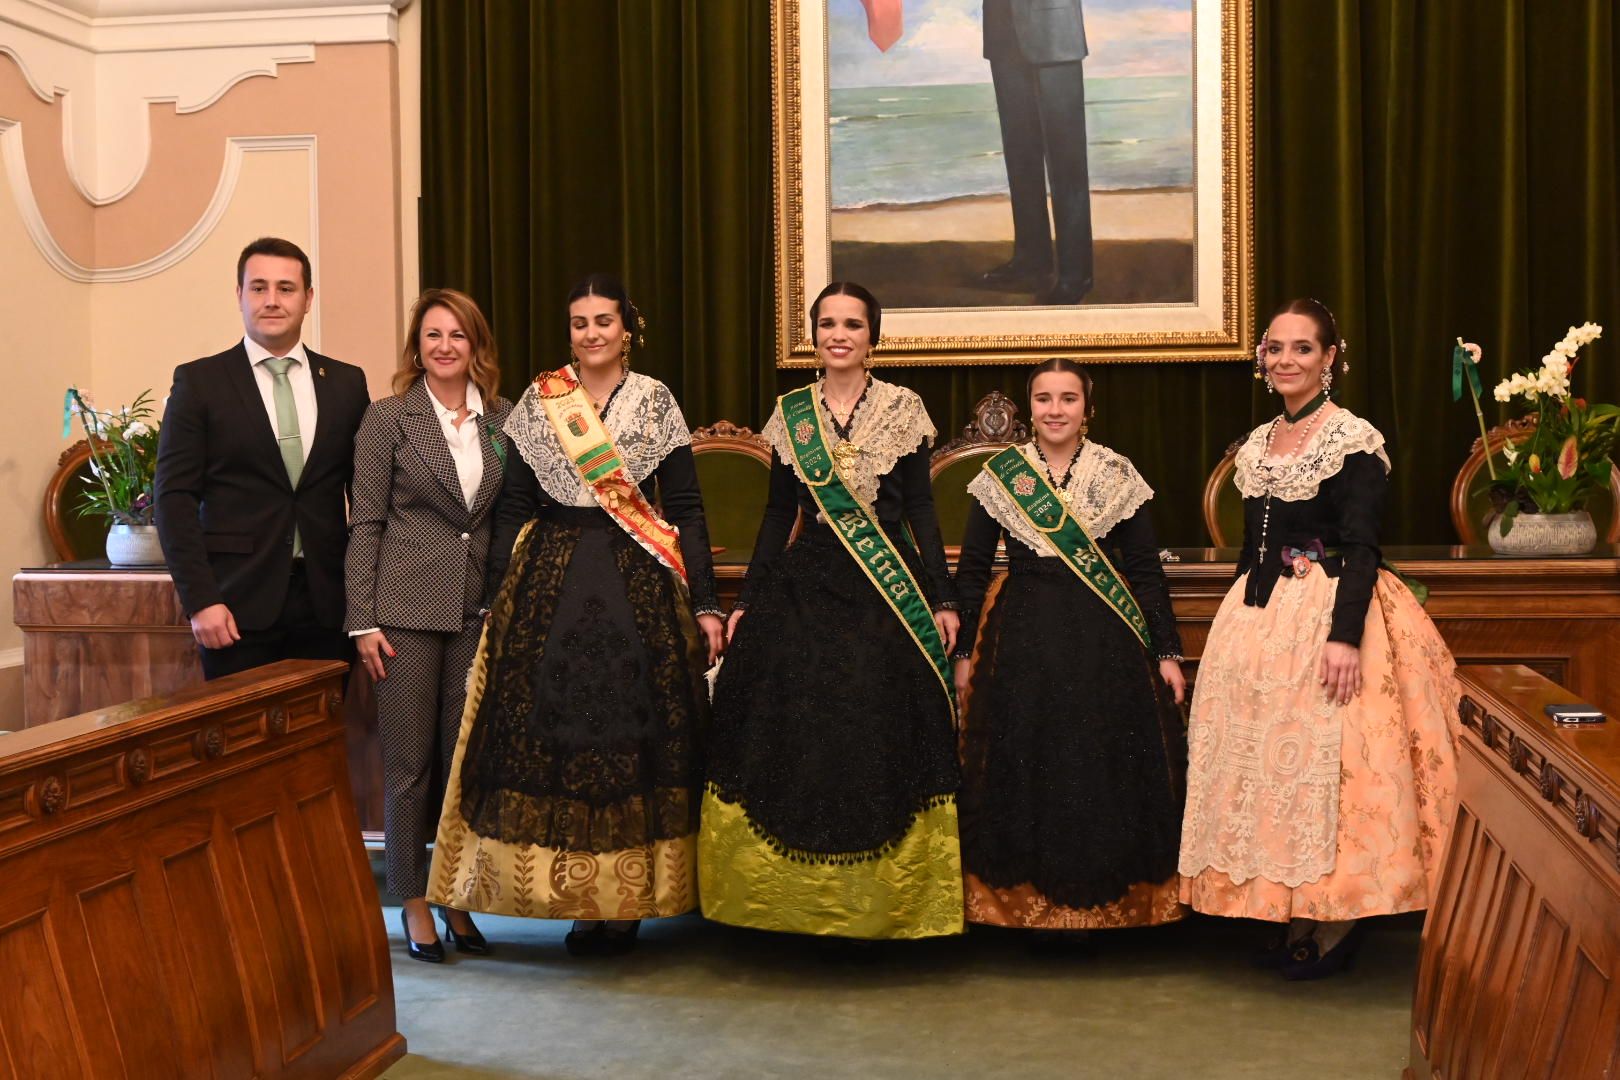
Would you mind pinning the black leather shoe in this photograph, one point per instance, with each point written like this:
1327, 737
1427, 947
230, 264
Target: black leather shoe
1015, 272
619, 942
431, 954
472, 942
1306, 962
585, 942
1065, 292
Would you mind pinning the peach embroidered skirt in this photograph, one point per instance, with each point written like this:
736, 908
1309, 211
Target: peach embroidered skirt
1300, 808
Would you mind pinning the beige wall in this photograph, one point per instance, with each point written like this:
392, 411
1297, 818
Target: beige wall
315, 152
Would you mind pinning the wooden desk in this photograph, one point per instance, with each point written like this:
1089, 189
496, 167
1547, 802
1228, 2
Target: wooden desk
1520, 968
94, 636
185, 893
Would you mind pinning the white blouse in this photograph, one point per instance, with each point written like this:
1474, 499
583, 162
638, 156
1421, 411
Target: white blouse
465, 446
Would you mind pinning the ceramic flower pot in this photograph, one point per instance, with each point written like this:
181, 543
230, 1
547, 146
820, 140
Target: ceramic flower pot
134, 545
1545, 534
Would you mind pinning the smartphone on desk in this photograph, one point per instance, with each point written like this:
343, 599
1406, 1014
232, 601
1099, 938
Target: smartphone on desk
1573, 714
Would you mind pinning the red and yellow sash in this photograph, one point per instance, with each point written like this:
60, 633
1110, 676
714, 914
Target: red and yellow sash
590, 447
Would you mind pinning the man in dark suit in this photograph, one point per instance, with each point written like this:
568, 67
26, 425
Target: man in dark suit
254, 461
1036, 50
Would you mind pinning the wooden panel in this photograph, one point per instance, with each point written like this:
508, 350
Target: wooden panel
211, 958
129, 982
1521, 948
36, 1024
356, 974
186, 892
281, 935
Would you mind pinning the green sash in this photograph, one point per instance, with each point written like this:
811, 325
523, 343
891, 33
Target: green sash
856, 526
1040, 505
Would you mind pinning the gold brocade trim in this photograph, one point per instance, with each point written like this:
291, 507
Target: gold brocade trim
914, 891
1147, 903
478, 873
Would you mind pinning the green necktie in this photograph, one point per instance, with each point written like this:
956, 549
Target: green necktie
287, 435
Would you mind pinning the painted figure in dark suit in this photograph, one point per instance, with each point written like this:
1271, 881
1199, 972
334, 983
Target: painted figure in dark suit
1036, 50
427, 468
254, 461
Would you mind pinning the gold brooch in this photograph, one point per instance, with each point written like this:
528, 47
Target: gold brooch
845, 454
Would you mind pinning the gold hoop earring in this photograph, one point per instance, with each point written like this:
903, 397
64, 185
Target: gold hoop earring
416, 362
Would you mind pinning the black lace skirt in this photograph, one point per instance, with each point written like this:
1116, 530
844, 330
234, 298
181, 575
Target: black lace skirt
831, 729
585, 736
1074, 752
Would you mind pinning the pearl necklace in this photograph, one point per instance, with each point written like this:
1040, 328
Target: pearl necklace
1268, 472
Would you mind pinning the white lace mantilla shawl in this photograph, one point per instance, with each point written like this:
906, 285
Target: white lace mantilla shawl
644, 420
1104, 490
889, 424
1297, 479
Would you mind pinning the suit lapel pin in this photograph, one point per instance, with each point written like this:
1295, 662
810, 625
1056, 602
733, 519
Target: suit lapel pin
321, 372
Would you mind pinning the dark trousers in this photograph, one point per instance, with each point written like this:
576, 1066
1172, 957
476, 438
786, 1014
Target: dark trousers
419, 704
296, 635
1043, 138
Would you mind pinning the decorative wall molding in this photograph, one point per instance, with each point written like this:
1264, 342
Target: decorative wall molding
113, 26
109, 62
13, 160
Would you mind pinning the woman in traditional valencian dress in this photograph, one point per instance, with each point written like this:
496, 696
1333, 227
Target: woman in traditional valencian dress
574, 789
1072, 745
832, 767
1322, 772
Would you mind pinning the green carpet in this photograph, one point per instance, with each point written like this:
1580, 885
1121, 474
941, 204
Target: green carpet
702, 1000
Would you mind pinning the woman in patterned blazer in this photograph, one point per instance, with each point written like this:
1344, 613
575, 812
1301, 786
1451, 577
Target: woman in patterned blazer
428, 463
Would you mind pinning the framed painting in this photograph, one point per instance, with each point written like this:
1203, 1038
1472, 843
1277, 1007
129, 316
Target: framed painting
1018, 179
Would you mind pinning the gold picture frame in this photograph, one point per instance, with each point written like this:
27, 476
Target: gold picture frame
1185, 296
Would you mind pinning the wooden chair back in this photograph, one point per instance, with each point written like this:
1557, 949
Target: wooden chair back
73, 536
734, 470
1223, 503
993, 427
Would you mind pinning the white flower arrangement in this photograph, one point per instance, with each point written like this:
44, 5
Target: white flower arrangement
1552, 379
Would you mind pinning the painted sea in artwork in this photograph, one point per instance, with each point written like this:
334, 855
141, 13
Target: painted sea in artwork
921, 144
919, 207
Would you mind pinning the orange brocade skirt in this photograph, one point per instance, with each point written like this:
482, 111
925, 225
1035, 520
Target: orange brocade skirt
1298, 808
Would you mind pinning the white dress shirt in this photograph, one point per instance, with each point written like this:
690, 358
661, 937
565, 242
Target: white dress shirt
465, 446
303, 388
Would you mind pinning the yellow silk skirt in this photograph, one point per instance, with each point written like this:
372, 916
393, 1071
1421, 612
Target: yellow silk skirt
913, 889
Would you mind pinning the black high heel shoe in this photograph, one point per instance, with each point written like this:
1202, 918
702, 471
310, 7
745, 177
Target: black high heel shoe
472, 942
431, 954
1307, 962
586, 942
1275, 951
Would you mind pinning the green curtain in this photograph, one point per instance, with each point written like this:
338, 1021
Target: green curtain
1428, 168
